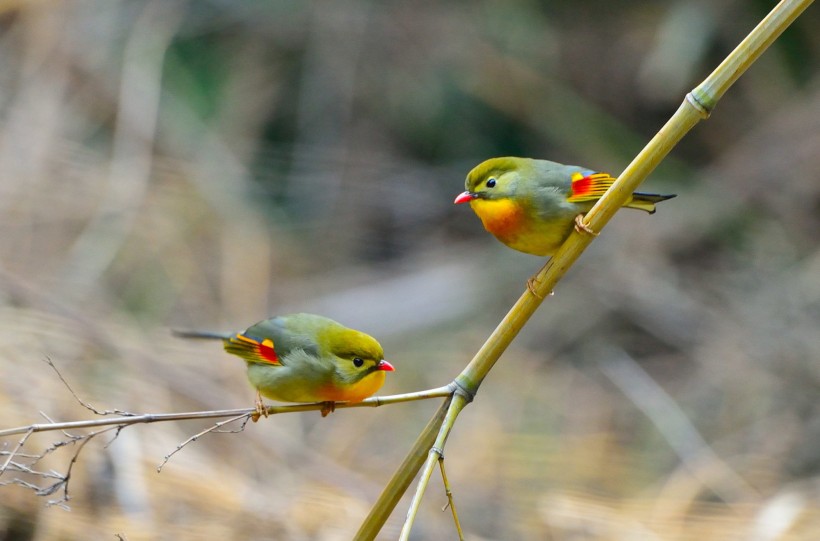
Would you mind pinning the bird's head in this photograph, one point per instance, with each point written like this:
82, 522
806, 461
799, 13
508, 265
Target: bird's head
355, 353
493, 179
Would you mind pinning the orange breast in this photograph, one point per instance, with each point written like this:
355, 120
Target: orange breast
356, 392
504, 218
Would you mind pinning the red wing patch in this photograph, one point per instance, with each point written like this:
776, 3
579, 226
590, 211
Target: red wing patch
589, 187
251, 349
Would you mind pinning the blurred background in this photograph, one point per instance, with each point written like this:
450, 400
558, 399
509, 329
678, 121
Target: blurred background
168, 164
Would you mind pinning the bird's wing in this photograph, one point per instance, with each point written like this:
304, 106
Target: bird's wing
271, 341
252, 348
589, 186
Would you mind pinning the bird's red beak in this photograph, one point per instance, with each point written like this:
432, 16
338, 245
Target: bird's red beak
384, 365
464, 197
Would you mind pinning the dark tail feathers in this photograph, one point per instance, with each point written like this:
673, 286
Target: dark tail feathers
201, 335
646, 201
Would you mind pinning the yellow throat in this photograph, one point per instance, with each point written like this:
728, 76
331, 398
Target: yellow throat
504, 218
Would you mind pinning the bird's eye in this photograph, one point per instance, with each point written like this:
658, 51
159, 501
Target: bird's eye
358, 361
491, 183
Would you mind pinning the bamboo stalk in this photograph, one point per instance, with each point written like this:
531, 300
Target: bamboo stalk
435, 453
697, 106
403, 476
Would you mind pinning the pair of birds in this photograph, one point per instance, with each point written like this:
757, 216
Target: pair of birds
530, 205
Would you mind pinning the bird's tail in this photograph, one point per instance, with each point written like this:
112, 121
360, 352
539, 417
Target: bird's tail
646, 201
240, 344
201, 335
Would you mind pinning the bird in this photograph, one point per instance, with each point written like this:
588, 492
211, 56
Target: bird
533, 205
305, 358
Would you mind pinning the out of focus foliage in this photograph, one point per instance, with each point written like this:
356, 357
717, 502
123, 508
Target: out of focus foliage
211, 163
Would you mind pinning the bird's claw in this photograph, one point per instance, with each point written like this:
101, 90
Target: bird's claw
261, 410
328, 408
581, 227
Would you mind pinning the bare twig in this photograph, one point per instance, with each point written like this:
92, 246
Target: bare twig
421, 488
14, 451
61, 480
63, 483
132, 419
404, 474
22, 468
450, 501
21, 455
460, 399
124, 419
82, 402
214, 428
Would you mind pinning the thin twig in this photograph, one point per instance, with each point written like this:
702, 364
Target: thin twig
45, 416
83, 403
21, 455
131, 419
65, 479
21, 468
421, 488
198, 435
404, 475
450, 501
25, 484
13, 452
125, 419
460, 399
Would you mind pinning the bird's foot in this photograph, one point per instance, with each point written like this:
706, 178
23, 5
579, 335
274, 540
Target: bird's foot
261, 410
328, 408
532, 283
581, 227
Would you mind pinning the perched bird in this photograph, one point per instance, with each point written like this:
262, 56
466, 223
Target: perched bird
306, 358
533, 205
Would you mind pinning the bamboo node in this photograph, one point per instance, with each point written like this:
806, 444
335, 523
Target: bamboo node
699, 107
468, 395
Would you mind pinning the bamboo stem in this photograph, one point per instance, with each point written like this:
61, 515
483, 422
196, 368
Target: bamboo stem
403, 476
435, 453
696, 106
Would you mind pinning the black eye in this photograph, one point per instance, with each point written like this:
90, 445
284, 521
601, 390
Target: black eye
358, 361
491, 183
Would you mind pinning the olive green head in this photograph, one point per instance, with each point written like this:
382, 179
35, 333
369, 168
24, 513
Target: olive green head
496, 178
355, 353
